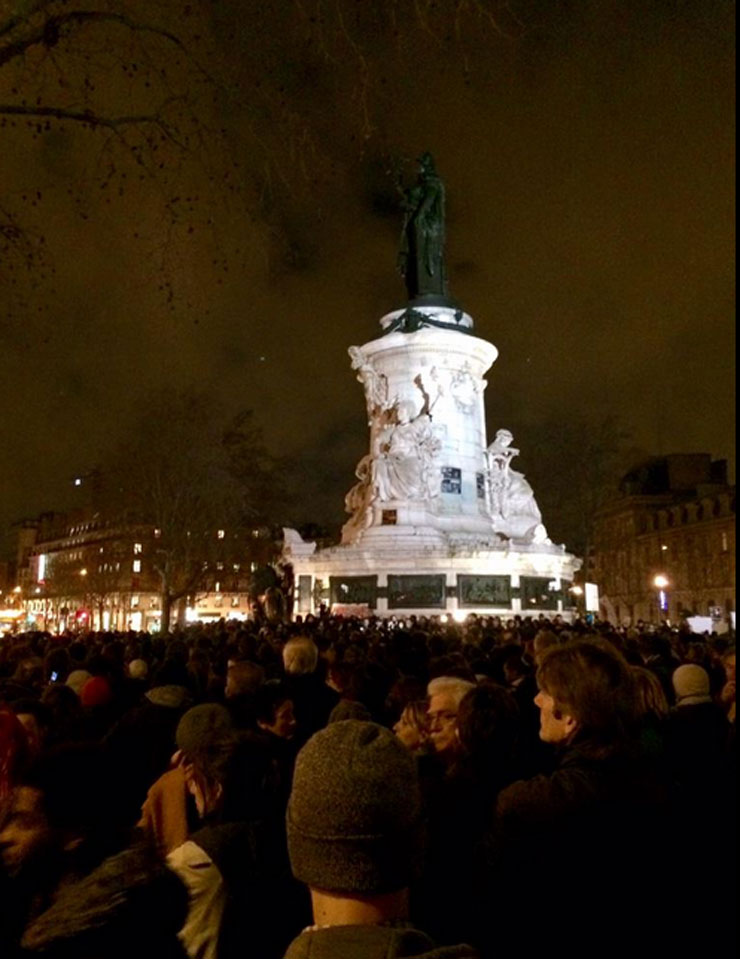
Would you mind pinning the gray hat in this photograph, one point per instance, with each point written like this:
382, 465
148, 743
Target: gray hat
354, 812
348, 709
200, 727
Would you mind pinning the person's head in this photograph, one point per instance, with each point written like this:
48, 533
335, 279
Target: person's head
138, 669
36, 718
300, 656
545, 639
243, 678
173, 672
77, 679
488, 729
691, 685
96, 693
231, 778
200, 731
14, 751
274, 710
56, 665
354, 813
586, 691
445, 693
650, 698
514, 667
728, 664
64, 809
412, 727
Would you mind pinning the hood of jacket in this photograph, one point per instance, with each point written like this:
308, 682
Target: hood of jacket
372, 942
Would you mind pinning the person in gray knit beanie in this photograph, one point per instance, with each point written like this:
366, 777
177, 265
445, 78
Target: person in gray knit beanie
354, 838
354, 812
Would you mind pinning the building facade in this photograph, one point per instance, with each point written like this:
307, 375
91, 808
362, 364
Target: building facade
664, 548
78, 570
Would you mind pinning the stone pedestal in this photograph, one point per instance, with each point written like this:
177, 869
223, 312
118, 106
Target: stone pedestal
439, 522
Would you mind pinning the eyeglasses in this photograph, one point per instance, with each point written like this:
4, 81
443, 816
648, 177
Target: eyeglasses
444, 718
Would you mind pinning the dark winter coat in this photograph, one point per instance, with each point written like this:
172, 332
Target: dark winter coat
588, 841
252, 859
372, 942
130, 906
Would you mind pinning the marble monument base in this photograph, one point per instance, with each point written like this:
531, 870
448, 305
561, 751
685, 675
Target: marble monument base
413, 575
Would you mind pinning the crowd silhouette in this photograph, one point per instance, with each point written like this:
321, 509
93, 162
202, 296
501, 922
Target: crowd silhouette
366, 787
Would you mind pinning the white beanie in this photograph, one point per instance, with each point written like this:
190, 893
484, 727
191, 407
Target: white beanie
691, 685
138, 669
77, 679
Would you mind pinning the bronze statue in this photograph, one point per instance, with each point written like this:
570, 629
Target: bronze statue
421, 256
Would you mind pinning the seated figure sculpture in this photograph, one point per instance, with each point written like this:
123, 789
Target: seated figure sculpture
404, 467
515, 512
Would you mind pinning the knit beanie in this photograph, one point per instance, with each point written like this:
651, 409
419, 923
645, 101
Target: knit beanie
354, 812
77, 679
200, 727
96, 692
691, 684
348, 709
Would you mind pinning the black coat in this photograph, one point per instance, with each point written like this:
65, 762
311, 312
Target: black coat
130, 906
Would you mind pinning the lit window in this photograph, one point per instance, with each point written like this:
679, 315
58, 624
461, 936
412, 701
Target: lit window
221, 533
137, 565
137, 549
219, 565
218, 587
157, 533
234, 600
724, 542
134, 602
237, 567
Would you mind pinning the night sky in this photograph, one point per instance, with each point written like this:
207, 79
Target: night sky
247, 240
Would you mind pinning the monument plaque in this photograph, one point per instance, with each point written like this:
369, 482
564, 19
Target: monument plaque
484, 591
536, 593
410, 592
353, 590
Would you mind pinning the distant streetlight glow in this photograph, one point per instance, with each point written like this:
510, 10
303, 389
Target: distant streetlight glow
661, 582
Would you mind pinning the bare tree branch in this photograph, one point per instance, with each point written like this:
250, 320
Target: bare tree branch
92, 119
54, 28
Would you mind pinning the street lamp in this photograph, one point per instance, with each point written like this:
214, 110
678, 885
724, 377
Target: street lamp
661, 584
577, 593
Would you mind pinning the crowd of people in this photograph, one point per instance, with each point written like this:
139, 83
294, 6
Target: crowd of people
367, 788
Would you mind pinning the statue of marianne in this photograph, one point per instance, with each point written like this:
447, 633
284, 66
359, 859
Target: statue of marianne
421, 254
